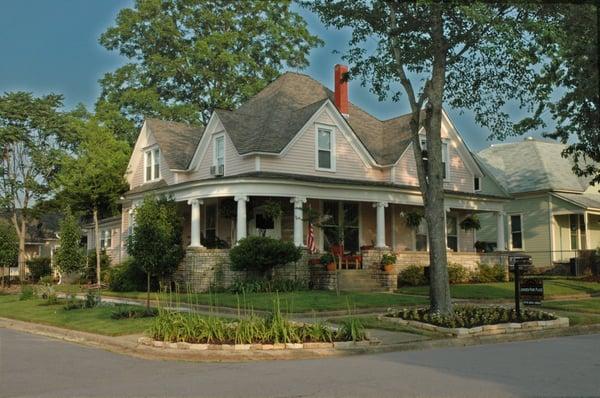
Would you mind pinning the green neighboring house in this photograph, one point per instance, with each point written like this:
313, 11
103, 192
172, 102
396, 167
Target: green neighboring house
554, 214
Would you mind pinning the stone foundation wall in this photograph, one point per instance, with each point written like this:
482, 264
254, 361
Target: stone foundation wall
205, 269
389, 280
321, 279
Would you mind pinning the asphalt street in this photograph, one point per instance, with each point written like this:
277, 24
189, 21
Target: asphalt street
34, 366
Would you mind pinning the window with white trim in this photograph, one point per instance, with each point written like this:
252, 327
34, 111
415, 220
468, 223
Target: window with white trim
105, 239
452, 232
152, 165
445, 166
516, 232
325, 159
219, 151
577, 231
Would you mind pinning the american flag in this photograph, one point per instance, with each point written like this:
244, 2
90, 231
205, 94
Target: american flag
310, 239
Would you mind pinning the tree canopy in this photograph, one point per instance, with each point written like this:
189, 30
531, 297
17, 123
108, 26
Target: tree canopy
189, 57
570, 83
467, 55
70, 257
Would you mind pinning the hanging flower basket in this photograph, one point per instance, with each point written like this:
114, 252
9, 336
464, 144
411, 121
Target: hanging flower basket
470, 223
412, 219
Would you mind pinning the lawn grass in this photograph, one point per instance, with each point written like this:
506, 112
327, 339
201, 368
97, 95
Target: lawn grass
505, 290
305, 301
591, 306
94, 320
300, 301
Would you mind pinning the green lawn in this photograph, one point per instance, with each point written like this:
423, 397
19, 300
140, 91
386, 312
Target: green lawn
304, 301
290, 302
505, 290
94, 320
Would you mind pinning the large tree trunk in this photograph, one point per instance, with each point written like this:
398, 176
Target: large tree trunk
97, 244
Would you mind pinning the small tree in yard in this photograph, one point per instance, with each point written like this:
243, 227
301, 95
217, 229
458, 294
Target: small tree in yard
156, 240
262, 254
9, 248
70, 257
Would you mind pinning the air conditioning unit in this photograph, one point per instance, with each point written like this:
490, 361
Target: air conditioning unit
217, 171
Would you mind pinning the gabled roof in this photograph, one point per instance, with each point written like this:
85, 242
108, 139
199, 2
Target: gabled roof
269, 120
586, 200
532, 166
177, 141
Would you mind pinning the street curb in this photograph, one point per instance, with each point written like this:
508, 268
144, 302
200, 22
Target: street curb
131, 347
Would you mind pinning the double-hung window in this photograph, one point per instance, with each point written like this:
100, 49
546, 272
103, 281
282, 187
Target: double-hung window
219, 153
516, 232
577, 231
452, 232
325, 151
152, 165
105, 239
445, 170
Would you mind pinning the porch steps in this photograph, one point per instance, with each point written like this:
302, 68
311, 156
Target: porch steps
358, 280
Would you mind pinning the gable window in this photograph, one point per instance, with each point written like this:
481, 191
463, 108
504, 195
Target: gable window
325, 144
152, 165
445, 170
516, 232
476, 184
219, 149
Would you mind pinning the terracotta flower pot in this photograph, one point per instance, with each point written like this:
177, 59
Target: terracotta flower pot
331, 267
388, 267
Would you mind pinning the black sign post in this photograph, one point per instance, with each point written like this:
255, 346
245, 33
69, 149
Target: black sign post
518, 262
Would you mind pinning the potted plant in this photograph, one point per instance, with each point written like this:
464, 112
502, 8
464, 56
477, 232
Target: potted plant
470, 222
328, 261
387, 262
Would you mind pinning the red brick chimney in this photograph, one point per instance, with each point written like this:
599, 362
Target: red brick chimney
341, 89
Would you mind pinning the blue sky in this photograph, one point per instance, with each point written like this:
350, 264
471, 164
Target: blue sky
52, 46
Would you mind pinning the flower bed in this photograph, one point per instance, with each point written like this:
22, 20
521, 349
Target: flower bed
476, 321
175, 327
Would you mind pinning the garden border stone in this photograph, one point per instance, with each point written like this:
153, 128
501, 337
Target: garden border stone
484, 330
337, 345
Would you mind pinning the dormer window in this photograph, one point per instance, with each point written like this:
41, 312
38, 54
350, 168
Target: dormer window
219, 152
325, 150
152, 165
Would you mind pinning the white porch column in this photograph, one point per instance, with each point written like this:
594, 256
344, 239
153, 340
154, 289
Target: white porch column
195, 222
500, 242
241, 217
587, 231
380, 239
298, 221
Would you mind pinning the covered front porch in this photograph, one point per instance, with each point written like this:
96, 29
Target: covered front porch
220, 212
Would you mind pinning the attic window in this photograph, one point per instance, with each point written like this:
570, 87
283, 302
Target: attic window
445, 169
476, 184
325, 150
152, 165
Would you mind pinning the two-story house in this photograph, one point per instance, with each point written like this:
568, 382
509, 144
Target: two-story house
305, 146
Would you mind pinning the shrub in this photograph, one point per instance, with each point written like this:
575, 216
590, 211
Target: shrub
70, 257
72, 303
9, 245
261, 254
468, 316
489, 273
90, 269
47, 280
92, 299
39, 267
129, 277
326, 258
458, 273
413, 275
27, 293
133, 312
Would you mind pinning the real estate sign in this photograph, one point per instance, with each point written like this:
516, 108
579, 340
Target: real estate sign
531, 291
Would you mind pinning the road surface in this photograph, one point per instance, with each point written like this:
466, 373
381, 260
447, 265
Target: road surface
34, 366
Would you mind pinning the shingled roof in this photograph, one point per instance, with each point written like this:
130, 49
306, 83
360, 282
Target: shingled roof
531, 166
177, 141
269, 120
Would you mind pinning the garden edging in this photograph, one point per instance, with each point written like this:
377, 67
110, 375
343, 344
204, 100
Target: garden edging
337, 345
485, 330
